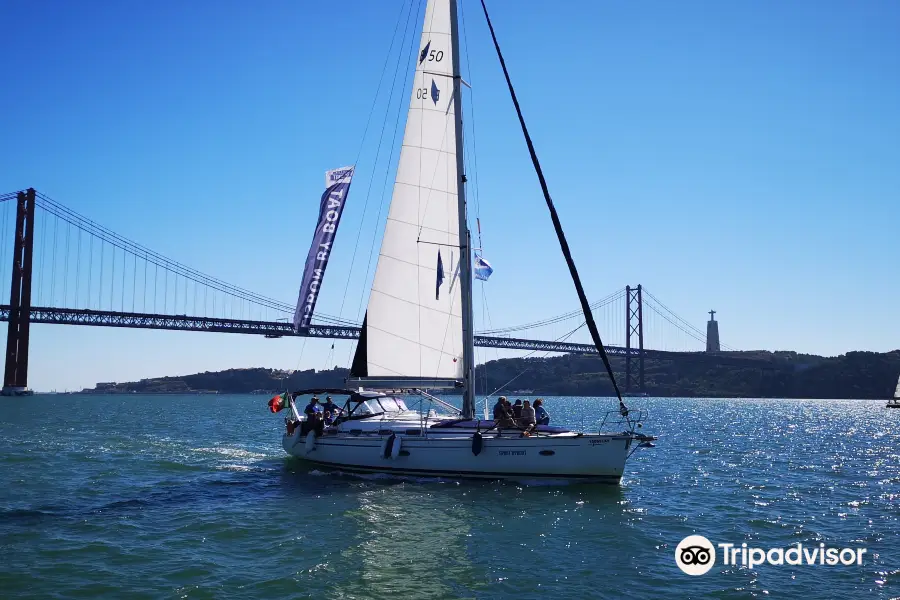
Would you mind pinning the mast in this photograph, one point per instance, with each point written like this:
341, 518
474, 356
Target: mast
465, 246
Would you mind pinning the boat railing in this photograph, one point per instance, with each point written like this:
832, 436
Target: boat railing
425, 415
437, 400
614, 419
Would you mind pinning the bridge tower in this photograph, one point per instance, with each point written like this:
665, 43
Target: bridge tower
15, 379
634, 332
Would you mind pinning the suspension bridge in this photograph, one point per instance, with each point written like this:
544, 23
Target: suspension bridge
66, 269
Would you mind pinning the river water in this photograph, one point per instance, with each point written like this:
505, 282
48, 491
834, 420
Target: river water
193, 497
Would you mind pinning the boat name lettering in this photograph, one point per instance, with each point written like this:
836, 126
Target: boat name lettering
513, 452
603, 441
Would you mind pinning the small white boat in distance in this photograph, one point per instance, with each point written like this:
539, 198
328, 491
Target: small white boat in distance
895, 401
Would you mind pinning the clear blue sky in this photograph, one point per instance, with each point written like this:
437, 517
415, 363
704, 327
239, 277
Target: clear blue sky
737, 156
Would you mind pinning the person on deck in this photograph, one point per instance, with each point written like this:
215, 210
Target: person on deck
527, 420
313, 410
330, 406
503, 418
542, 417
314, 421
517, 409
500, 408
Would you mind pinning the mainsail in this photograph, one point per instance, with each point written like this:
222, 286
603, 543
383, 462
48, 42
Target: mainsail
413, 326
897, 389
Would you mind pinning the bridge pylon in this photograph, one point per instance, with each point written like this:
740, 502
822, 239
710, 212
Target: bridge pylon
15, 378
634, 337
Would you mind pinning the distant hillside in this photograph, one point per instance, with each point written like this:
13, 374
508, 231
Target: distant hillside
231, 381
733, 374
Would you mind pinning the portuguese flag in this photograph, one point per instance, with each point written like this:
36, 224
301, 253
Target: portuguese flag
280, 401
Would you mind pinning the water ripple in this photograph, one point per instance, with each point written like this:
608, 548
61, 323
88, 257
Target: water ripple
204, 504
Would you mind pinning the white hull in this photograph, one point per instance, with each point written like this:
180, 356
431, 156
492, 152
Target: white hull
594, 458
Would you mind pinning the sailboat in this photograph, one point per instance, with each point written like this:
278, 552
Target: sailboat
895, 401
417, 337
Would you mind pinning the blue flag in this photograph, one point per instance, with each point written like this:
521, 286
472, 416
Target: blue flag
440, 277
331, 207
482, 269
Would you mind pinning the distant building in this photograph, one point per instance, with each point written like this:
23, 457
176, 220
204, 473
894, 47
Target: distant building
712, 333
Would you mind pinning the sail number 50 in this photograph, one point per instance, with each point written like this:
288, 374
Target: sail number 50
435, 56
422, 94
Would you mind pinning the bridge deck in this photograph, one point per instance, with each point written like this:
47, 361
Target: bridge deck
74, 316
101, 318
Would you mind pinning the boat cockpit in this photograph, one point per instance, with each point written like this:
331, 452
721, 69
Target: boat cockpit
359, 404
362, 405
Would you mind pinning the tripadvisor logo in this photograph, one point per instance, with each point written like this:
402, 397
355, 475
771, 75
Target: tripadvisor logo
696, 555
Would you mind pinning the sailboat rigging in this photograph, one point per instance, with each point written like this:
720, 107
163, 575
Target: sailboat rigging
570, 262
418, 331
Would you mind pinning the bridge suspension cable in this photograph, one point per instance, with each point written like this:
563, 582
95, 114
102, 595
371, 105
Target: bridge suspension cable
65, 239
618, 295
669, 315
138, 251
